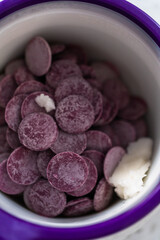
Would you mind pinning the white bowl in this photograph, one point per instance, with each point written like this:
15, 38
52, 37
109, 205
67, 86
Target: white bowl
104, 34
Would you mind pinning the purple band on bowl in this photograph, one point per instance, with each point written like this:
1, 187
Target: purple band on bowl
14, 228
125, 8
11, 226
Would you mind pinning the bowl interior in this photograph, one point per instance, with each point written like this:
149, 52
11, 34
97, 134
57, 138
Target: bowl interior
104, 34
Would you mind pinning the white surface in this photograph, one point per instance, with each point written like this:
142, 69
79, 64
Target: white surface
151, 7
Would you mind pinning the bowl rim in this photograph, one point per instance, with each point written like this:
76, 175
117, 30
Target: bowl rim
126, 219
135, 14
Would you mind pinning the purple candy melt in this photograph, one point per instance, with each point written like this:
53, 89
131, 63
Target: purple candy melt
103, 71
37, 131
115, 90
102, 196
124, 131
2, 118
67, 171
69, 142
12, 139
112, 113
136, 108
90, 182
13, 112
108, 130
4, 156
74, 85
57, 48
6, 184
4, 147
45, 200
22, 166
78, 207
68, 56
97, 140
112, 159
43, 160
2, 76
140, 127
60, 70
97, 102
75, 114
97, 158
7, 88
38, 56
22, 74
29, 87
12, 66
94, 83
29, 105
109, 112
58, 155
26, 197
86, 70
77, 52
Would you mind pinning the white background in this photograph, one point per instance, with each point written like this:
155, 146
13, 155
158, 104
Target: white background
152, 7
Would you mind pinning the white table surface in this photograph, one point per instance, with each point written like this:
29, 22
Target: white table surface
151, 7
151, 230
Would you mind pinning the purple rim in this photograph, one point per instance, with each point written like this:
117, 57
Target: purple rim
29, 231
121, 6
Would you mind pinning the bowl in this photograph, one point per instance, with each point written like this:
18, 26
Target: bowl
112, 30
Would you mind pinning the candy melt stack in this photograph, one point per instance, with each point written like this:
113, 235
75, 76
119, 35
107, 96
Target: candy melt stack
70, 132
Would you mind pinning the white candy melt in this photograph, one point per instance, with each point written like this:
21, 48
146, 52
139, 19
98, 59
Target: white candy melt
128, 176
46, 102
141, 148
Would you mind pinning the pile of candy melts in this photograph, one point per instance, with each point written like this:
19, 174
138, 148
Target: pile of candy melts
65, 124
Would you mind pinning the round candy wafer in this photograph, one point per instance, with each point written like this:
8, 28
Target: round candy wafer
97, 140
90, 182
28, 87
102, 196
2, 118
43, 160
4, 156
112, 159
140, 127
22, 166
78, 207
13, 65
136, 108
7, 88
45, 200
115, 90
4, 146
22, 74
60, 70
67, 171
74, 85
38, 56
124, 131
69, 142
37, 131
12, 139
6, 184
97, 158
13, 112
75, 114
